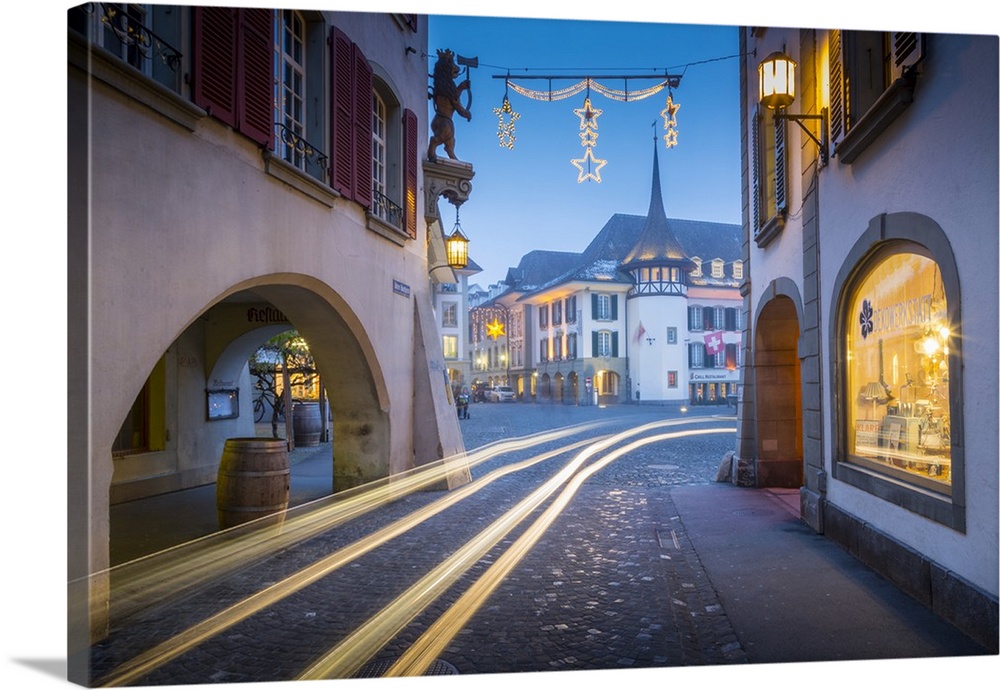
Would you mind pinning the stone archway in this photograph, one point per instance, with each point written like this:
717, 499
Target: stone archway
778, 390
557, 387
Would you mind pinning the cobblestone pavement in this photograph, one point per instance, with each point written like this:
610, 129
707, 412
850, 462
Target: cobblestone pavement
613, 583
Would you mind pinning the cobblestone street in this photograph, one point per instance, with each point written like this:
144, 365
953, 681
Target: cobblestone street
609, 576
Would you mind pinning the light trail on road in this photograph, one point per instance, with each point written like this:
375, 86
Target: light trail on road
147, 581
355, 650
424, 652
347, 657
179, 644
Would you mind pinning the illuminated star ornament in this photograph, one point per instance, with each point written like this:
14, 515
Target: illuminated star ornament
494, 330
669, 114
588, 139
505, 130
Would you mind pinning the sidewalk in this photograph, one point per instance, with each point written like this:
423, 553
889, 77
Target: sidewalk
792, 595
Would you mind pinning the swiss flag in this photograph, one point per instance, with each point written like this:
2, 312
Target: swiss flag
713, 343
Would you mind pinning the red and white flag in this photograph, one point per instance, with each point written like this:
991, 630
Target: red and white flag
713, 343
639, 332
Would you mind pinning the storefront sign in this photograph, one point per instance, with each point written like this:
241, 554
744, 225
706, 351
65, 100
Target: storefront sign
721, 376
265, 315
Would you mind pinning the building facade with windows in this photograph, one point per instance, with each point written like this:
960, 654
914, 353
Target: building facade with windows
632, 318
450, 287
870, 376
235, 173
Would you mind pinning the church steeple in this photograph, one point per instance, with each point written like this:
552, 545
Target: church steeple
657, 245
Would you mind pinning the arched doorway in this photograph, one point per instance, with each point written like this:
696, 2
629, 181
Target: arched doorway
574, 390
607, 385
778, 379
557, 388
544, 388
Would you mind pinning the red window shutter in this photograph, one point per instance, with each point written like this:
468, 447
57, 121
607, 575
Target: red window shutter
362, 129
341, 113
214, 62
255, 81
410, 163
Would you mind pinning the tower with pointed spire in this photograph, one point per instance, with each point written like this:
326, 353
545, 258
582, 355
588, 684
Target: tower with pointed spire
657, 302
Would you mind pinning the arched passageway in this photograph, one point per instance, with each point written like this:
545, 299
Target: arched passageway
778, 380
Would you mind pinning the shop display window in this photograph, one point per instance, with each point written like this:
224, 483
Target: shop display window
898, 341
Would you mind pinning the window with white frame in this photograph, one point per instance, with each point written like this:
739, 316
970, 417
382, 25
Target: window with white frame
449, 314
695, 318
571, 309
603, 344
696, 355
386, 149
717, 267
291, 87
738, 270
603, 311
671, 335
450, 346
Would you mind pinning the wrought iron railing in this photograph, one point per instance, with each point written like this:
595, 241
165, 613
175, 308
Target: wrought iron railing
299, 152
140, 45
386, 209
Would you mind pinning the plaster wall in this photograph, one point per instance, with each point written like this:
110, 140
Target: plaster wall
939, 159
650, 362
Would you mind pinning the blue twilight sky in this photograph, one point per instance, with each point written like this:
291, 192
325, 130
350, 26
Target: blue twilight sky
530, 197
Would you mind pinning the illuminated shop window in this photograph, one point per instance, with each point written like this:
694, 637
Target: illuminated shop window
898, 342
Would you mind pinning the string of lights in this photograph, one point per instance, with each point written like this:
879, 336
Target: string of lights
589, 166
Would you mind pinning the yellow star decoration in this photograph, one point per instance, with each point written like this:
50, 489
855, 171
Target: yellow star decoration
669, 114
505, 130
494, 330
588, 115
591, 174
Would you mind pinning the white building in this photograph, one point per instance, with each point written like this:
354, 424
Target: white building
871, 242
648, 312
235, 172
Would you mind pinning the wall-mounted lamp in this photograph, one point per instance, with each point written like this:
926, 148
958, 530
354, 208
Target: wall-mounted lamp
457, 246
776, 77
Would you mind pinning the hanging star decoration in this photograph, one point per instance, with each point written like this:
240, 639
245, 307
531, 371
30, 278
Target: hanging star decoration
505, 130
588, 139
669, 114
495, 329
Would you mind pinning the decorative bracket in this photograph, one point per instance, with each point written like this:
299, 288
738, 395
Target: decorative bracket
445, 178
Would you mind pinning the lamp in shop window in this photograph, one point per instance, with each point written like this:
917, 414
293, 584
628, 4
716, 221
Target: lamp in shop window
873, 391
776, 91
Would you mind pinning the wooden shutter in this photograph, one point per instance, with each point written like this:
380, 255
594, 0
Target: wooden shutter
214, 62
755, 167
838, 113
362, 128
255, 77
232, 69
350, 119
410, 166
780, 198
614, 307
341, 113
614, 344
593, 305
907, 51
595, 345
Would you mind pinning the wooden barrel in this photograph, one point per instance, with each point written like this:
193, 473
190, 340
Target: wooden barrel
307, 423
253, 481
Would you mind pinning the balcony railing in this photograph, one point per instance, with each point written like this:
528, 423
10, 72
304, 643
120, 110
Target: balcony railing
300, 153
111, 26
386, 209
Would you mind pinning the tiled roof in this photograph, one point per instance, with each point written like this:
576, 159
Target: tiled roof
632, 239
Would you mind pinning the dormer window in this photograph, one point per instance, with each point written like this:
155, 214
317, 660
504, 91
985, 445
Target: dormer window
697, 266
738, 270
717, 268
